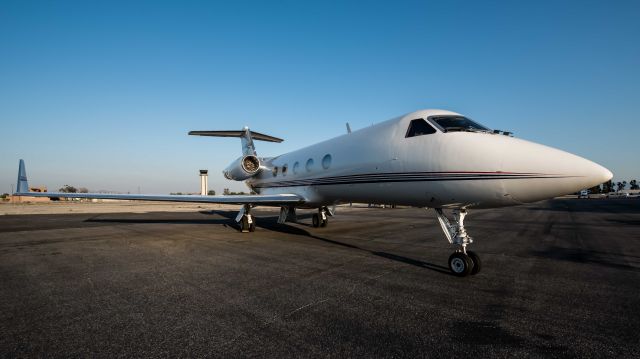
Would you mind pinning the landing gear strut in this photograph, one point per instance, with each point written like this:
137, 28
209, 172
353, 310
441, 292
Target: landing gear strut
245, 219
462, 262
287, 214
321, 219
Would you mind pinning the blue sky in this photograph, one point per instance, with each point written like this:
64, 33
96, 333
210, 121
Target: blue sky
101, 95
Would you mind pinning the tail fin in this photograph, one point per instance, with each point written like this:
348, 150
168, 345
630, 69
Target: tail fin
23, 184
245, 135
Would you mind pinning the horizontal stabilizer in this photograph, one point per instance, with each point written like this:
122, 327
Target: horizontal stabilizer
254, 135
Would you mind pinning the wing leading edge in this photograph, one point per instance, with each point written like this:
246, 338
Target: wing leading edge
265, 200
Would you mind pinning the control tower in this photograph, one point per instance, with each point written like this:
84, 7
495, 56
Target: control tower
204, 182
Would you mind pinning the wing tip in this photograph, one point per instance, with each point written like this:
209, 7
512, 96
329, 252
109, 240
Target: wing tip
23, 184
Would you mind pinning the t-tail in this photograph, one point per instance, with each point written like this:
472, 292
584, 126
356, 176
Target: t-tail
249, 164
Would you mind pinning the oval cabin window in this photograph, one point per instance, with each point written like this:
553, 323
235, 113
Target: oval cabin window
326, 161
309, 165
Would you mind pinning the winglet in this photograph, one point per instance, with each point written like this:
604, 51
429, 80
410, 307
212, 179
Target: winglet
23, 184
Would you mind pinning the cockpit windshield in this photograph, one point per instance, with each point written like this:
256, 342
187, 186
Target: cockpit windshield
457, 123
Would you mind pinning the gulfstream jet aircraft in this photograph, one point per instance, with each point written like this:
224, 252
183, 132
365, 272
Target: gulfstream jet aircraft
430, 158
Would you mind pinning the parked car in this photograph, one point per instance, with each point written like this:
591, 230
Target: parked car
584, 193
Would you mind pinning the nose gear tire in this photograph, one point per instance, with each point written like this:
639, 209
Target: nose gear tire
477, 264
460, 264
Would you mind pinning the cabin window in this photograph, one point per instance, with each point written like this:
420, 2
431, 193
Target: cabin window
419, 127
326, 161
457, 123
284, 170
296, 167
309, 165
275, 171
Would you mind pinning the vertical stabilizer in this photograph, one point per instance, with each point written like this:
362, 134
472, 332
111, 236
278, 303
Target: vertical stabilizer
248, 149
23, 185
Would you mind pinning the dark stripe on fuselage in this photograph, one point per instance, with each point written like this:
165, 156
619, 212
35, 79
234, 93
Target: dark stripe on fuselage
403, 177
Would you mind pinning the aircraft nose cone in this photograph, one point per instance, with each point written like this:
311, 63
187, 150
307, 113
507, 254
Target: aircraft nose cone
554, 172
590, 173
600, 174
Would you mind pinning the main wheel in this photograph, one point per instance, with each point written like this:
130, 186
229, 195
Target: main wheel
324, 222
245, 226
477, 264
252, 226
316, 220
460, 264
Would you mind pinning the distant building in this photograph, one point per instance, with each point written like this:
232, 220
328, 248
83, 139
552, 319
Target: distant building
20, 199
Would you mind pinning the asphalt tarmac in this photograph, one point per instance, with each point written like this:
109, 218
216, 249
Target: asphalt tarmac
560, 278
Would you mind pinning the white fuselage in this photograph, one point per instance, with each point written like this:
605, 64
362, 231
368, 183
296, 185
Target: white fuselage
379, 164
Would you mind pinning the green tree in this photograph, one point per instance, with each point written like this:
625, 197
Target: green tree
68, 189
211, 193
607, 187
633, 184
621, 186
595, 189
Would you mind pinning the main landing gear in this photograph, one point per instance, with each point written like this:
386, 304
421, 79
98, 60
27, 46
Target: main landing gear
321, 219
287, 214
245, 219
462, 262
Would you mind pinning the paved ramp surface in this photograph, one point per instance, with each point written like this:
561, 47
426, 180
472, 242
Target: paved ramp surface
559, 278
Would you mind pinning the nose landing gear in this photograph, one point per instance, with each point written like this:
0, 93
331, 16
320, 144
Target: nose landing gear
461, 262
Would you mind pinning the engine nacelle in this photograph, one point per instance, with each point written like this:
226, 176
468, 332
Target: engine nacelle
242, 168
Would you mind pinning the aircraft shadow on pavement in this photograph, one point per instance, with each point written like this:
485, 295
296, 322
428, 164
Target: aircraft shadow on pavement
579, 255
632, 222
269, 222
157, 221
610, 206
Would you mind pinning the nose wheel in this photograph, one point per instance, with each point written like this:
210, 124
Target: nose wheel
462, 262
477, 264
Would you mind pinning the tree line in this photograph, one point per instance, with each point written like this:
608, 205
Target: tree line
71, 189
611, 186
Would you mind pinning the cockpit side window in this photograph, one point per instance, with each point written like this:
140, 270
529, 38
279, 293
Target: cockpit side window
419, 127
457, 123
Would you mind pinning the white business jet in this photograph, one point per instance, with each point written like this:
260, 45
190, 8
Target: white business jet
430, 158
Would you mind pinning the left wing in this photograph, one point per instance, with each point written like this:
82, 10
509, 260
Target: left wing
265, 200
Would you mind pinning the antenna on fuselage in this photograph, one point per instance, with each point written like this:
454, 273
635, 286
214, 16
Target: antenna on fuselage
348, 128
